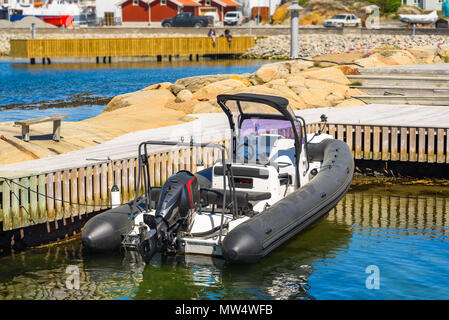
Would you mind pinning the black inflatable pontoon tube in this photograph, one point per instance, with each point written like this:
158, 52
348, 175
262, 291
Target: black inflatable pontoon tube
255, 238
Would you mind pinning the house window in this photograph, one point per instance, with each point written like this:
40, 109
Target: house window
135, 2
163, 2
207, 2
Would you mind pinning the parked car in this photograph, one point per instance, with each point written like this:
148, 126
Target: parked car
187, 19
233, 18
343, 20
213, 15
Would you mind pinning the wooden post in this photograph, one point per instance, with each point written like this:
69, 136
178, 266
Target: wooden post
74, 193
50, 197
131, 180
422, 145
58, 195
385, 143
104, 185
26, 133
394, 143
6, 205
403, 146
358, 142
431, 145
412, 145
96, 185
66, 194
24, 202
57, 130
42, 199
34, 210
89, 190
440, 146
124, 188
81, 192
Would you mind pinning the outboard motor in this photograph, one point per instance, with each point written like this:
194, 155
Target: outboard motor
179, 199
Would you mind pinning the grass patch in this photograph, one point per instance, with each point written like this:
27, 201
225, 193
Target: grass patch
356, 84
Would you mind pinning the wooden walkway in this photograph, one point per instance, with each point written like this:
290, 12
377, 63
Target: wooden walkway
79, 182
128, 47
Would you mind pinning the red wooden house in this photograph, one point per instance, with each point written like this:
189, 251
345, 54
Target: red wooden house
154, 10
218, 6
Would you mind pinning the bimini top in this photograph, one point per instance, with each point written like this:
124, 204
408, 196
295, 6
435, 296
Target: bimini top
275, 102
244, 103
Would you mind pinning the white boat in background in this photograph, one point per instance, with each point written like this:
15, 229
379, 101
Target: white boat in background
56, 12
419, 18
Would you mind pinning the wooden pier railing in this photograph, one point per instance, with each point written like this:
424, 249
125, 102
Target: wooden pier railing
128, 47
392, 143
50, 196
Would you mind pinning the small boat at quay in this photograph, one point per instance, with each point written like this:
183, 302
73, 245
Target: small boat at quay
274, 183
58, 13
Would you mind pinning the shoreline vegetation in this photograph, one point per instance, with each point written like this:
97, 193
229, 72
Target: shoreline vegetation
305, 84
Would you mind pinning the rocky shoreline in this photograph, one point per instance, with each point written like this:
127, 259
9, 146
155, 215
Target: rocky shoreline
306, 84
278, 47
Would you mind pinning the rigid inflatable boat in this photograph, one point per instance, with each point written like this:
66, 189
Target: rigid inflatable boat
274, 182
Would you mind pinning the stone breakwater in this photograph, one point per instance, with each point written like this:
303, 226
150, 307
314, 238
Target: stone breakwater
316, 45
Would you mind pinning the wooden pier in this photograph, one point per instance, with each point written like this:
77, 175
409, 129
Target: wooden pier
128, 47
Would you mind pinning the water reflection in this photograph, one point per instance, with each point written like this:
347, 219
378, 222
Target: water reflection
407, 236
138, 64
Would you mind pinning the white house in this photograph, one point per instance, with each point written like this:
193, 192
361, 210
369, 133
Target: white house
428, 5
247, 5
108, 9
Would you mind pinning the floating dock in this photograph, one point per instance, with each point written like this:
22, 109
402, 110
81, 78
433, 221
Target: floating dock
108, 48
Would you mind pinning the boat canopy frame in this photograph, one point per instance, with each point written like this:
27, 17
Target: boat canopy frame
280, 104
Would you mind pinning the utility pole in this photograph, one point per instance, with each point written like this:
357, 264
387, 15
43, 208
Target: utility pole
294, 29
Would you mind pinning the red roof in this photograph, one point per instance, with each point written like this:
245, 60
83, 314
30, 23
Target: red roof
188, 3
227, 3
181, 3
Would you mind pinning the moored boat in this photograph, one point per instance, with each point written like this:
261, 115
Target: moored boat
275, 182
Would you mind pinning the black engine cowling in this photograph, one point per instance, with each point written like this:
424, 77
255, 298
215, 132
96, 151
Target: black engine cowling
178, 201
179, 197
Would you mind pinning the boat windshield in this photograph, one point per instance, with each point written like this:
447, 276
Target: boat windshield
258, 140
273, 127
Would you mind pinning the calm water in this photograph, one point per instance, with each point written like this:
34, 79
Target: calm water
405, 236
22, 84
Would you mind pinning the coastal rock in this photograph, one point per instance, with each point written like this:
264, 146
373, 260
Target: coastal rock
350, 103
399, 58
299, 66
157, 86
211, 91
374, 60
424, 54
205, 107
151, 97
195, 83
332, 74
183, 96
272, 71
175, 89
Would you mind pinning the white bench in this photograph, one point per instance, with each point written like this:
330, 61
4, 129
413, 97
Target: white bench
56, 126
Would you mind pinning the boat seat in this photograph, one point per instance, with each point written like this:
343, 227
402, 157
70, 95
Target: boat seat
244, 172
215, 196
